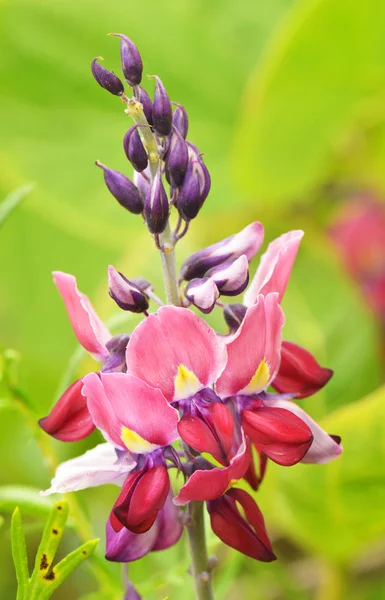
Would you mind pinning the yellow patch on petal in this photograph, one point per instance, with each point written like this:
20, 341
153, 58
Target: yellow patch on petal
231, 484
186, 383
259, 380
135, 443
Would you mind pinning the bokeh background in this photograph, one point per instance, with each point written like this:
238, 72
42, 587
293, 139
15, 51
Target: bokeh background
287, 101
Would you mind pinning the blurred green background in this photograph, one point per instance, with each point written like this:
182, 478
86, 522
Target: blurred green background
287, 101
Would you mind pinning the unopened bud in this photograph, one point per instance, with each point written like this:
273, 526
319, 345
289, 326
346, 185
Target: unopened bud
176, 159
156, 206
180, 120
142, 283
161, 111
125, 293
116, 361
132, 65
203, 293
125, 192
234, 315
231, 277
134, 149
145, 101
194, 190
106, 79
248, 241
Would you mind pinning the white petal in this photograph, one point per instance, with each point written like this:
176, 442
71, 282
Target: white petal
95, 467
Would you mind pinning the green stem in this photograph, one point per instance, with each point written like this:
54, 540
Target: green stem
198, 552
167, 255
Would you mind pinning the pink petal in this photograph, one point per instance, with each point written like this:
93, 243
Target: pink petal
141, 408
324, 447
211, 484
69, 420
96, 467
171, 338
275, 267
88, 328
299, 372
254, 350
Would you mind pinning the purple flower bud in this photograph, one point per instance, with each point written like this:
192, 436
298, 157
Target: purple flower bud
231, 277
142, 284
116, 361
161, 111
180, 119
106, 79
203, 293
132, 65
126, 294
234, 315
145, 101
194, 190
134, 149
248, 241
126, 193
176, 159
156, 206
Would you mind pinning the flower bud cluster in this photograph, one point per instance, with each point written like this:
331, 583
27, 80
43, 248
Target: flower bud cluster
156, 147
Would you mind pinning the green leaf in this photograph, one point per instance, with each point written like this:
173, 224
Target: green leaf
12, 201
19, 554
64, 568
336, 510
27, 498
324, 67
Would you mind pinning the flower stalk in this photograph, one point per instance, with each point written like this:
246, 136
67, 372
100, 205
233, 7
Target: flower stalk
198, 551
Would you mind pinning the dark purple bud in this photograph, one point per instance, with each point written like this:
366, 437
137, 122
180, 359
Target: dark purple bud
132, 65
144, 285
234, 315
203, 293
194, 190
176, 159
180, 119
126, 193
116, 361
134, 149
125, 293
161, 111
156, 206
231, 277
106, 79
145, 101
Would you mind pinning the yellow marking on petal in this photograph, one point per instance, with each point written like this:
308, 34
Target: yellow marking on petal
135, 443
231, 484
259, 380
186, 383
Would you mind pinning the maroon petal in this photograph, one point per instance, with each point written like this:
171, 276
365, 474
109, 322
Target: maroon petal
69, 420
198, 435
247, 536
275, 433
299, 372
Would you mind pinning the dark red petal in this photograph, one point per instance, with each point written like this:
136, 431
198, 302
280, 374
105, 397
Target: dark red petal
299, 372
141, 498
198, 435
69, 420
252, 513
275, 432
233, 530
224, 426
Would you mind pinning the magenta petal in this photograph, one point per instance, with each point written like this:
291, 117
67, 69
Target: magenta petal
141, 408
100, 408
254, 350
125, 546
211, 484
324, 447
69, 420
171, 338
275, 267
299, 372
170, 526
88, 328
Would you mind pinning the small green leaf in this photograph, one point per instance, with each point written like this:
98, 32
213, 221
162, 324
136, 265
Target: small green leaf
27, 498
50, 541
19, 554
12, 201
64, 568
